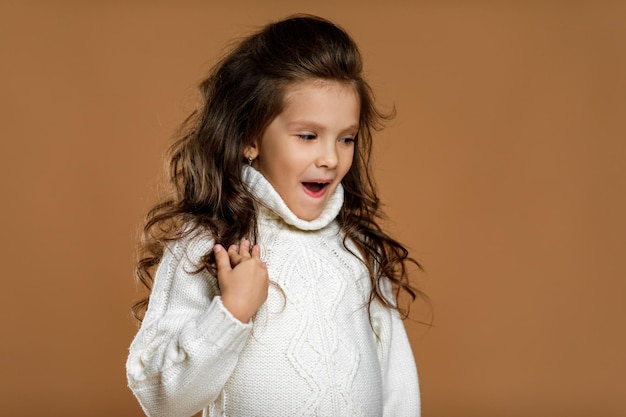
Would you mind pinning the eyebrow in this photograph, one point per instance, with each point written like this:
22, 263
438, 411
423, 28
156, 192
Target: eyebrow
307, 123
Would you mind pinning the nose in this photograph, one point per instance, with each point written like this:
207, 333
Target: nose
327, 157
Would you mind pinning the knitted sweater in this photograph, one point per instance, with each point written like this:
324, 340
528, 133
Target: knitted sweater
311, 349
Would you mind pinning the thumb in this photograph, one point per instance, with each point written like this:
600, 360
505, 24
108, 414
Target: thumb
222, 261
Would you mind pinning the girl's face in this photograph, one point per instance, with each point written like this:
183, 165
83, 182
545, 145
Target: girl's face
308, 148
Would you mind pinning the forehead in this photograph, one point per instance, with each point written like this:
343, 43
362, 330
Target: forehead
334, 101
320, 86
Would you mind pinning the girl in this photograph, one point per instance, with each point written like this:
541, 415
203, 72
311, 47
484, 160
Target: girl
275, 293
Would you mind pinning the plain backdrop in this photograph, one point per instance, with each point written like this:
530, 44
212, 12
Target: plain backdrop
504, 173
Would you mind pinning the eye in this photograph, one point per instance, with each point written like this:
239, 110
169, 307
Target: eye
347, 140
306, 136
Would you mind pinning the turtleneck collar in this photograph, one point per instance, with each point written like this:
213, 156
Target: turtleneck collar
260, 187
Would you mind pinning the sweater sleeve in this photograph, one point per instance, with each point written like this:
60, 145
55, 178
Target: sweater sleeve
401, 396
188, 343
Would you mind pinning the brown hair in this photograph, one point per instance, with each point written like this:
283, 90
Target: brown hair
242, 95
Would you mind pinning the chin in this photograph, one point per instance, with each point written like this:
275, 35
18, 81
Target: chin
308, 215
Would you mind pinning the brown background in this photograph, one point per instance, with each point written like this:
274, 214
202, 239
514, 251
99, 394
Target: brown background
504, 173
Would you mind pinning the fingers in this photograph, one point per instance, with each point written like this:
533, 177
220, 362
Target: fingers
244, 286
244, 248
222, 260
237, 254
256, 251
256, 254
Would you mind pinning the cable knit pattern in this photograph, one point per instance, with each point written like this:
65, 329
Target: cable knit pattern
311, 350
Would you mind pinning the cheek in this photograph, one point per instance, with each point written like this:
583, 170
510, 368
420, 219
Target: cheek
276, 158
294, 158
347, 160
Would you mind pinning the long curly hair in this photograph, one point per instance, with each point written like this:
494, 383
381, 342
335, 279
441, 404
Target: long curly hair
243, 93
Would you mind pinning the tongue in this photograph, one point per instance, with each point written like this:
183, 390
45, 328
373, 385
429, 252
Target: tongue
313, 186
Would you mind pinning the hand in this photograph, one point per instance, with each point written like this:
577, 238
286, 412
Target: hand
242, 278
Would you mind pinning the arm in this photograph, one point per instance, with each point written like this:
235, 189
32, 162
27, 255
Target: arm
189, 343
400, 383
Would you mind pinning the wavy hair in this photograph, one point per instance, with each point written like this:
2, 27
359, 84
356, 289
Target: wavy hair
243, 93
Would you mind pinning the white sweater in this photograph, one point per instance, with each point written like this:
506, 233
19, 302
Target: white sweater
311, 351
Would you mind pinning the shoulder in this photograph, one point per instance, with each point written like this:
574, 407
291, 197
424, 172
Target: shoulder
189, 250
180, 281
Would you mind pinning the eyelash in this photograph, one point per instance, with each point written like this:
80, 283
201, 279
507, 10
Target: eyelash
311, 137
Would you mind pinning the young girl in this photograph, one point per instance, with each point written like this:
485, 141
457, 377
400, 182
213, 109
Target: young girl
275, 292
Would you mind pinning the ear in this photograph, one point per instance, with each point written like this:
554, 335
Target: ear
251, 151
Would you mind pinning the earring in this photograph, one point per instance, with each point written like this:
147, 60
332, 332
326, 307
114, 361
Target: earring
250, 159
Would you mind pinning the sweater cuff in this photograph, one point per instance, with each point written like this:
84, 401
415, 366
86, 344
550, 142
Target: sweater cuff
222, 329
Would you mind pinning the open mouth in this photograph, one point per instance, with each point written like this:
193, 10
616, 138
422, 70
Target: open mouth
315, 188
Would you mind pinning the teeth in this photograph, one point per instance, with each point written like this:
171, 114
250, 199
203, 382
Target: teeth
315, 186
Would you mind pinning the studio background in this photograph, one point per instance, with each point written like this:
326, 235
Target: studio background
503, 172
